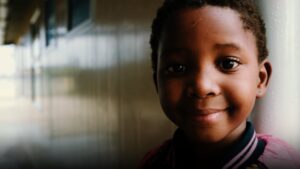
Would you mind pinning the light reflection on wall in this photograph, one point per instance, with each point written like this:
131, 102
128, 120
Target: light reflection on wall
278, 112
7, 72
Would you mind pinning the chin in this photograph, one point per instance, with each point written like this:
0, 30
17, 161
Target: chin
205, 137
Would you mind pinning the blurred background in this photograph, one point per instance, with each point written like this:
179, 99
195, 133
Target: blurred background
76, 89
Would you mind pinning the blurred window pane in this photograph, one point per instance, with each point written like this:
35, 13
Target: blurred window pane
79, 11
50, 21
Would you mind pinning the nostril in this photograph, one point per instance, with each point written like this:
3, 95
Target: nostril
196, 95
202, 84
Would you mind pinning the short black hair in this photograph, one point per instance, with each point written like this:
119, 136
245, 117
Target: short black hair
246, 8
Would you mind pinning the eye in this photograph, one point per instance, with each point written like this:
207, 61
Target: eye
176, 69
229, 63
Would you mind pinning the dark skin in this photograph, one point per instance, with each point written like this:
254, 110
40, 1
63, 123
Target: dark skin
208, 78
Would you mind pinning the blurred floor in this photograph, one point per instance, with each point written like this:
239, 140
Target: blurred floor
22, 131
20, 123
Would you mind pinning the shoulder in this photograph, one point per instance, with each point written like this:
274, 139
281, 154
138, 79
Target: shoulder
157, 156
278, 153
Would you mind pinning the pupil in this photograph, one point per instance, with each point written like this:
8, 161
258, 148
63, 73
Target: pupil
179, 68
228, 64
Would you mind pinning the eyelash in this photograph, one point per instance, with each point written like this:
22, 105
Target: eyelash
234, 61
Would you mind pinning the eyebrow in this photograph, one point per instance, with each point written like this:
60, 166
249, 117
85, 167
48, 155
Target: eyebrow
227, 45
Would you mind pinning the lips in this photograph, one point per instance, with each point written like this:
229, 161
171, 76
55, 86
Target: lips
207, 116
207, 111
201, 108
208, 105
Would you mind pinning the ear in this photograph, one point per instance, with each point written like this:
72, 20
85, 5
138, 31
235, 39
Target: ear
265, 71
154, 76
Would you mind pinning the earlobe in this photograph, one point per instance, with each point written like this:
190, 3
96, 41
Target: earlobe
265, 71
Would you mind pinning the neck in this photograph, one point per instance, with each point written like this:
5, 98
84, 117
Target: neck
207, 153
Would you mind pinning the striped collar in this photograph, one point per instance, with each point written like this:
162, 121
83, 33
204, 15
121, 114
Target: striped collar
244, 153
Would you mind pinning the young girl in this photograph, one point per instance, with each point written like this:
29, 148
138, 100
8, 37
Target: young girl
210, 65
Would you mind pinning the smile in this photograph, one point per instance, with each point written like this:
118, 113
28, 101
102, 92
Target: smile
208, 115
209, 111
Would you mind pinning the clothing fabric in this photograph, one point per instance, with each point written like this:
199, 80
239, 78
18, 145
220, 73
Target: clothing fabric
252, 150
278, 154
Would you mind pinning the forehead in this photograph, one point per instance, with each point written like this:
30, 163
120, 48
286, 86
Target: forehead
215, 14
206, 26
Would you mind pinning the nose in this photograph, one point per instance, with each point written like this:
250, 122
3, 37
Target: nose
203, 84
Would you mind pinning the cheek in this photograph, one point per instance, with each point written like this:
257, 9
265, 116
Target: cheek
170, 93
241, 95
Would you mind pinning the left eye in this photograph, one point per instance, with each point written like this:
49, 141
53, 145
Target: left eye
229, 63
176, 69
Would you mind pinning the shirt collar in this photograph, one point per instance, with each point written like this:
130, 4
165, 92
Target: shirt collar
245, 151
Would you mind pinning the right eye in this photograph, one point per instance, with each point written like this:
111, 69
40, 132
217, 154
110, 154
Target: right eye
229, 64
177, 69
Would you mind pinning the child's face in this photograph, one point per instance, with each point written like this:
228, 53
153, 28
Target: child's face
208, 75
